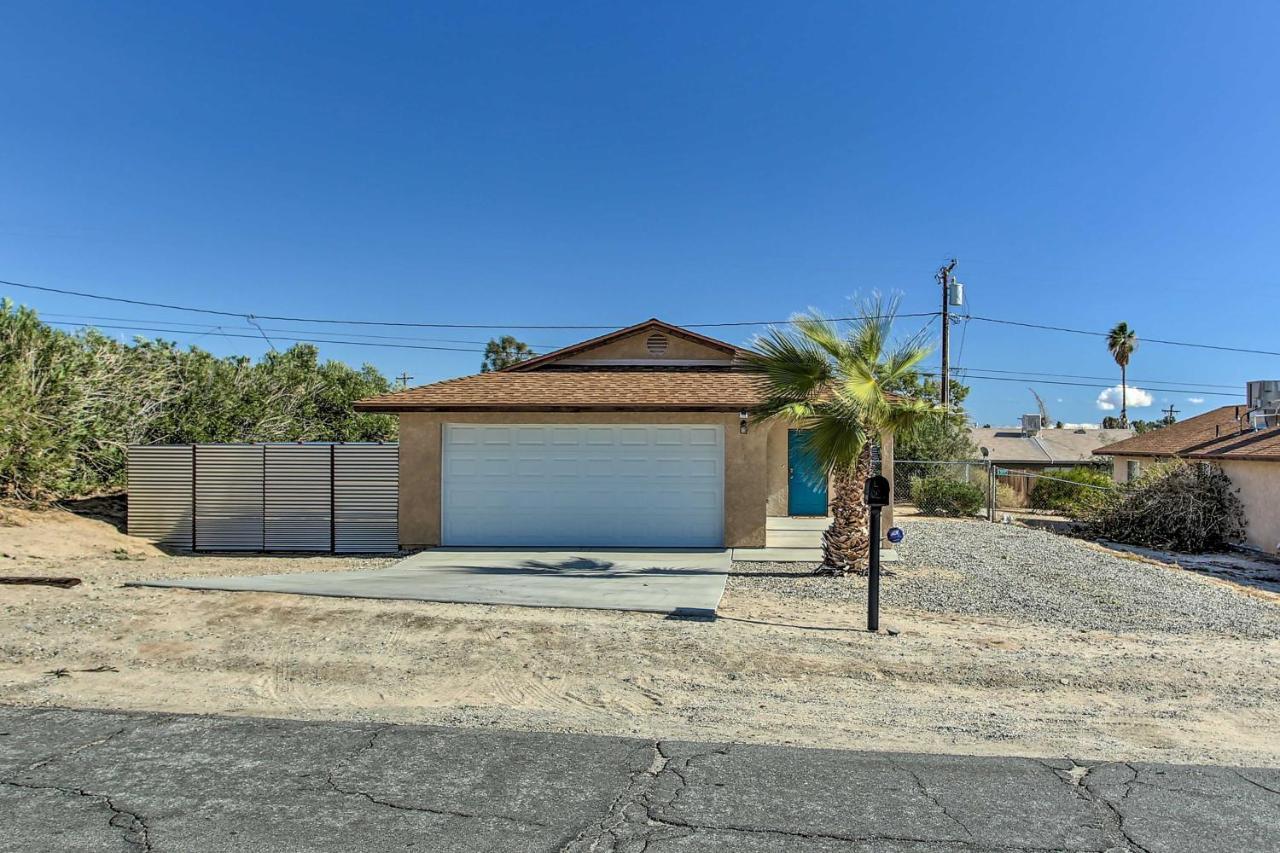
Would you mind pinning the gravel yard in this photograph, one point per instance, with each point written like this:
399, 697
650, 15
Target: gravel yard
1009, 641
1029, 575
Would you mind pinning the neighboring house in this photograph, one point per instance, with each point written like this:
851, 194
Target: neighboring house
1032, 449
1244, 441
641, 437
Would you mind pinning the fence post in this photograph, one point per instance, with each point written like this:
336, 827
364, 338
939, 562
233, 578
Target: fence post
193, 498
333, 500
991, 492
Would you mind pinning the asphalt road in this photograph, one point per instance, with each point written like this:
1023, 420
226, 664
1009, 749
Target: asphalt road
91, 781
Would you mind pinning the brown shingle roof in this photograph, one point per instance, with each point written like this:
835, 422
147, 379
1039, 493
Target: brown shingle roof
1213, 435
600, 390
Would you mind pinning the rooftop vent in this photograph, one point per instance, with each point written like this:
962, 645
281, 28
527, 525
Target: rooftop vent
1032, 424
656, 344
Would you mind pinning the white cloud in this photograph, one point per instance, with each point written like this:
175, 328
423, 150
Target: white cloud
1196, 400
1082, 426
1060, 400
1109, 398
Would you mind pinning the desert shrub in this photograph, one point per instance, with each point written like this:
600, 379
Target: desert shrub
1062, 494
70, 403
941, 495
1175, 506
1006, 497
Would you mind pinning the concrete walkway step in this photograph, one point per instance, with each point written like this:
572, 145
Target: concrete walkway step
794, 555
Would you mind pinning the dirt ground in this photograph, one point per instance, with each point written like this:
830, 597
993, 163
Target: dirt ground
775, 668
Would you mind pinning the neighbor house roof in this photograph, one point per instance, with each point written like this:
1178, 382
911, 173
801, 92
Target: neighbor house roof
1010, 446
580, 389
1214, 435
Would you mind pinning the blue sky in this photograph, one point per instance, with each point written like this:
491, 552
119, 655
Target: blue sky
602, 163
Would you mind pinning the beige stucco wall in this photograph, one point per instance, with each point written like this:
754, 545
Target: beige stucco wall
1120, 466
775, 461
746, 476
633, 347
1259, 485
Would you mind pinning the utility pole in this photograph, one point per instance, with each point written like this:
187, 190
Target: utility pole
404, 379
1169, 415
944, 278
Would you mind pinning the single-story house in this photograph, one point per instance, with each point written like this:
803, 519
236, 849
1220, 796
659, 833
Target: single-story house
641, 437
1034, 449
1246, 447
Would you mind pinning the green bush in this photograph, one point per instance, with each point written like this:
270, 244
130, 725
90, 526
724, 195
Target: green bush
941, 495
71, 403
1174, 506
1006, 497
1062, 494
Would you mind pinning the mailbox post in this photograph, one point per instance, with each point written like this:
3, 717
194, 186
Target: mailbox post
877, 495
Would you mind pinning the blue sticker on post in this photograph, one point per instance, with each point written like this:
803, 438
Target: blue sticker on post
895, 535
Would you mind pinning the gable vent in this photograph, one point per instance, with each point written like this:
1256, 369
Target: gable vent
656, 344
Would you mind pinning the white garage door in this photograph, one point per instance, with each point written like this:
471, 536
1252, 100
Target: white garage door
607, 485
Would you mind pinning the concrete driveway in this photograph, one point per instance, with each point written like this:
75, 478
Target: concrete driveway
682, 581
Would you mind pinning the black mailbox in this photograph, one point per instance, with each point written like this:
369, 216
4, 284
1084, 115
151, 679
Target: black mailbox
878, 492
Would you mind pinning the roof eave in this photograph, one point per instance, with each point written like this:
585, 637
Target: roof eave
392, 408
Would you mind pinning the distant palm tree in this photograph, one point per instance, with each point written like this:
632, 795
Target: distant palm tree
1121, 342
834, 383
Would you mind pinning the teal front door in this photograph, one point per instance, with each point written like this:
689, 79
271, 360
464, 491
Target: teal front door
806, 481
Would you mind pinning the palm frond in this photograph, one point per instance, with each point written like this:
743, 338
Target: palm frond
793, 367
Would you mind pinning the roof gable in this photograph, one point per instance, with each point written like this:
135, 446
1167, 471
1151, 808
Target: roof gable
652, 343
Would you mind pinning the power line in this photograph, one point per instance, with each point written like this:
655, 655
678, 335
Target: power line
258, 337
350, 334
1142, 339
1023, 380
1030, 373
246, 314
510, 325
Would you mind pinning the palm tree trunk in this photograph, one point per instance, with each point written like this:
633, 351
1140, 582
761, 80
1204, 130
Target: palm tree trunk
846, 542
1124, 398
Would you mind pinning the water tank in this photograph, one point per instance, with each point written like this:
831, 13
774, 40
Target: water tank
955, 293
1263, 393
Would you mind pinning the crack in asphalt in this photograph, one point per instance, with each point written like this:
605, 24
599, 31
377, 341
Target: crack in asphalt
76, 749
333, 785
639, 814
1254, 782
924, 790
135, 831
1080, 783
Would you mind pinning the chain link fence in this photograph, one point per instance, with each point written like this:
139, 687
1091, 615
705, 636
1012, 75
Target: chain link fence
1010, 486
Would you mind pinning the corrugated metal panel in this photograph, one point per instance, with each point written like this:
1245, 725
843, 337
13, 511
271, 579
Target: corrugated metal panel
366, 497
229, 497
160, 494
297, 502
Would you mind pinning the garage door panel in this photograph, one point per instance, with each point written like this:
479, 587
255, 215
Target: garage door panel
619, 485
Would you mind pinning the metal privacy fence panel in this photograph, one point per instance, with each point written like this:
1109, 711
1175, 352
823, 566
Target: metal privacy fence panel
298, 501
266, 497
229, 497
160, 498
366, 497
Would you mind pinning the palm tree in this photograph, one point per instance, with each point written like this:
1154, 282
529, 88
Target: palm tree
836, 385
1121, 342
